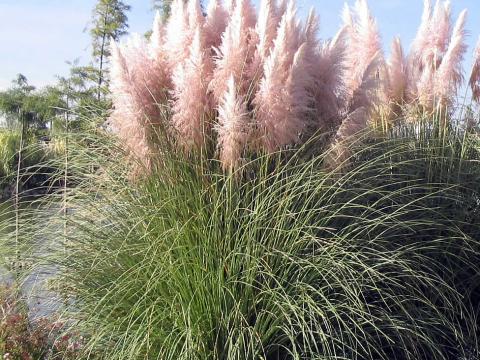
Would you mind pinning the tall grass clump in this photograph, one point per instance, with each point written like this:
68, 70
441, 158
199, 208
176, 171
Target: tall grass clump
283, 259
273, 196
243, 84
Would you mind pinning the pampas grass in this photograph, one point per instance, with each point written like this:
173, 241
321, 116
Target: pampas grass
292, 83
282, 259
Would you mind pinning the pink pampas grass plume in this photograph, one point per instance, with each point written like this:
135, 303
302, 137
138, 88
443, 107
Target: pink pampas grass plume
276, 125
137, 92
441, 28
158, 55
195, 16
266, 27
215, 24
354, 123
339, 154
397, 74
432, 37
423, 34
191, 102
158, 37
283, 102
177, 34
474, 80
449, 76
371, 86
328, 75
428, 49
236, 50
229, 6
282, 6
309, 37
232, 128
415, 57
363, 48
128, 127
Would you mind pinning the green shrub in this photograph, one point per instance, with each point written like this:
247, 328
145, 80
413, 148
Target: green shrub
9, 144
33, 156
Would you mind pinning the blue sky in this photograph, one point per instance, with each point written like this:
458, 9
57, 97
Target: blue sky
38, 36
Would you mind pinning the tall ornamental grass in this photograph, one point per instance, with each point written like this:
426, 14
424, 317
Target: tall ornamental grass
284, 259
245, 83
273, 196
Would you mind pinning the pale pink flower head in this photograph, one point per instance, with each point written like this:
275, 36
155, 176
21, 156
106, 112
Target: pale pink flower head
397, 74
191, 102
236, 50
309, 36
328, 75
423, 34
363, 48
177, 34
232, 128
266, 27
339, 154
195, 16
474, 80
283, 102
127, 119
157, 38
282, 6
430, 43
215, 23
139, 85
441, 28
449, 75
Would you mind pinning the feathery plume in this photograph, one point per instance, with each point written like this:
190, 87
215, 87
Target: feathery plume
137, 91
273, 105
355, 122
266, 28
440, 33
126, 125
235, 52
283, 102
191, 103
423, 35
195, 16
282, 6
474, 81
415, 64
232, 127
428, 50
177, 34
230, 6
449, 75
363, 48
371, 85
158, 37
397, 74
328, 74
215, 24
309, 36
265, 33
339, 153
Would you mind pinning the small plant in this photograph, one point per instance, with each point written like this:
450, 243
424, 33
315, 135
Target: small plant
20, 339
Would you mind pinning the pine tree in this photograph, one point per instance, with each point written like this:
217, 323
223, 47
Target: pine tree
109, 22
